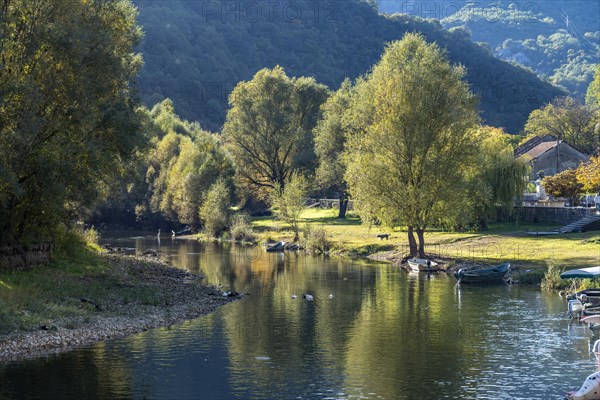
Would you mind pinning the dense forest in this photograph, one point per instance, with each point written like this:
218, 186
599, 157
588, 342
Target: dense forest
558, 39
196, 52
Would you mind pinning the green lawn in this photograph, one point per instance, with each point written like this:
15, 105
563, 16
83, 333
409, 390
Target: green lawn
502, 242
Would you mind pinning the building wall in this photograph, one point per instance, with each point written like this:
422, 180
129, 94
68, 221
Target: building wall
552, 215
570, 158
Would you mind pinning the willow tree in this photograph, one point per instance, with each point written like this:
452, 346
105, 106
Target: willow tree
495, 180
269, 125
409, 160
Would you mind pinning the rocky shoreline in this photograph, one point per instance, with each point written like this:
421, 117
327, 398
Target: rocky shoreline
182, 297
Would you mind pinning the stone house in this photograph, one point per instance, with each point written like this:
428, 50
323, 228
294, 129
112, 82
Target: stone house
550, 156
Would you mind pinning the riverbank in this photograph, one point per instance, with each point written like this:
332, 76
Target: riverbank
502, 242
81, 300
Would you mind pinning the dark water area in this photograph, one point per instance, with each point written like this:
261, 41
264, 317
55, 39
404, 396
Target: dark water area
384, 334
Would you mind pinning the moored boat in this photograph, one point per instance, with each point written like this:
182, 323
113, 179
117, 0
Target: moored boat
585, 302
586, 273
485, 275
280, 246
423, 265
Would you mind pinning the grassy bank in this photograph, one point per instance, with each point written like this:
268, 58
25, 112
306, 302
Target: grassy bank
82, 297
501, 243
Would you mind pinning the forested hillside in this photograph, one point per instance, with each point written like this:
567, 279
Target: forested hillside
558, 39
195, 52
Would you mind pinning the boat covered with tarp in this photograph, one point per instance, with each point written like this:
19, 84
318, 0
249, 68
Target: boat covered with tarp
585, 273
484, 275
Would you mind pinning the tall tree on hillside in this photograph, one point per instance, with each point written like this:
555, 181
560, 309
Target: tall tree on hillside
67, 107
330, 142
592, 97
568, 120
269, 126
409, 160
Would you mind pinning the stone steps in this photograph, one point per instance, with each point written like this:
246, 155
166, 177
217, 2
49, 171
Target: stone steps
578, 225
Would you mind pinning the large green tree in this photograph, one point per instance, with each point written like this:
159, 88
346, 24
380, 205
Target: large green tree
269, 126
568, 120
330, 143
592, 97
409, 160
493, 181
67, 107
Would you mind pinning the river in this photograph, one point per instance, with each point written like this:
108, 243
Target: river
382, 334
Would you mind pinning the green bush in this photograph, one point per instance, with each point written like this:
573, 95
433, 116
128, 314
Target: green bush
552, 279
529, 277
91, 236
240, 228
315, 239
214, 212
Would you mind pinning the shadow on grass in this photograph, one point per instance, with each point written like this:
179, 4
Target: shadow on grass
334, 221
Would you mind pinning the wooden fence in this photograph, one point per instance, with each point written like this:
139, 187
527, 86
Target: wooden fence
328, 203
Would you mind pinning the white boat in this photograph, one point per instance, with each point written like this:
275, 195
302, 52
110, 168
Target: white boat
421, 264
589, 390
593, 322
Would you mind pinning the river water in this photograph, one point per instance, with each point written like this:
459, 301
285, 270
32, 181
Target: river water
384, 334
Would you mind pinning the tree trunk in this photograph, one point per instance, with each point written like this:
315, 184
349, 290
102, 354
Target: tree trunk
412, 243
343, 206
421, 236
483, 224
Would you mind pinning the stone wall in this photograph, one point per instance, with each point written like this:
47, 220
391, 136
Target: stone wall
552, 215
16, 258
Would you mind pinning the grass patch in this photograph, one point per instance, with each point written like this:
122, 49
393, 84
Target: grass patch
502, 242
45, 295
32, 298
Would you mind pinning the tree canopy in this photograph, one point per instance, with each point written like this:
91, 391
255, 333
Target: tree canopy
564, 184
409, 159
330, 143
269, 127
493, 181
589, 175
568, 120
592, 98
183, 165
67, 108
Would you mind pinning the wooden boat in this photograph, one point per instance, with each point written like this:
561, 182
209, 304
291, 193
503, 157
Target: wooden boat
423, 265
276, 247
492, 274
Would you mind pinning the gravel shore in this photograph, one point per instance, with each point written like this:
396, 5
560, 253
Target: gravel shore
182, 297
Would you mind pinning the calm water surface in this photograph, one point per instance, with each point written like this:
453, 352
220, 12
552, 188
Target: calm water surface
385, 334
